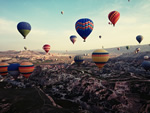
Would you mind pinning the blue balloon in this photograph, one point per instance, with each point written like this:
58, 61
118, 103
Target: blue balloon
13, 69
139, 38
84, 27
78, 60
146, 65
24, 28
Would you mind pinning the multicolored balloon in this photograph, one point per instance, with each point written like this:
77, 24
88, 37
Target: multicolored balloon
127, 47
146, 57
118, 48
146, 65
24, 28
138, 49
100, 57
26, 68
139, 38
62, 12
73, 38
13, 70
114, 17
78, 59
84, 27
4, 68
46, 48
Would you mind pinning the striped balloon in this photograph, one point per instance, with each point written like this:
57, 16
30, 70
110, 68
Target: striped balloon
84, 27
24, 28
26, 68
73, 38
3, 68
78, 60
46, 47
100, 57
114, 17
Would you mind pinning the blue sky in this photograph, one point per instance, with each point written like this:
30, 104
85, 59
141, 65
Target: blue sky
50, 27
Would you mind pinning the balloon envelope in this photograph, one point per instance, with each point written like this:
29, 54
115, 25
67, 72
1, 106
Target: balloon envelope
26, 68
73, 38
84, 27
100, 57
46, 48
139, 38
146, 57
62, 12
127, 47
24, 28
78, 59
118, 48
146, 65
3, 68
13, 69
114, 17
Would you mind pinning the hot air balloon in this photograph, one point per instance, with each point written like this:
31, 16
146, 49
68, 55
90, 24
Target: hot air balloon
24, 28
70, 57
25, 48
62, 12
26, 68
84, 27
146, 65
78, 60
73, 38
146, 57
139, 38
46, 47
100, 36
118, 48
3, 68
127, 47
138, 49
13, 70
114, 17
100, 57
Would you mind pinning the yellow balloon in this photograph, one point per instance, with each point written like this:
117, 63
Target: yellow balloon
100, 57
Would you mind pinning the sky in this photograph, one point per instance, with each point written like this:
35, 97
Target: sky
49, 26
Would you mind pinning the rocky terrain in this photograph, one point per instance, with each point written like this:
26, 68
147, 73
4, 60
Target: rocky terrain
58, 85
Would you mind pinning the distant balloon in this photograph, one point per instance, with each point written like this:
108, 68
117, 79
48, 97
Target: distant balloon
70, 57
46, 48
146, 57
139, 38
100, 36
138, 49
100, 57
118, 48
3, 68
127, 47
25, 48
146, 65
13, 70
114, 17
73, 38
84, 27
26, 68
24, 28
62, 12
128, 0
78, 60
